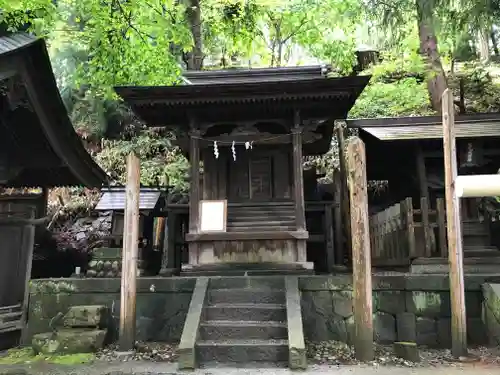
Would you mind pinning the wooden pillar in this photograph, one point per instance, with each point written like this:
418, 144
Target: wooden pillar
194, 190
455, 251
424, 199
344, 192
129, 255
194, 186
298, 177
361, 257
339, 235
168, 266
329, 238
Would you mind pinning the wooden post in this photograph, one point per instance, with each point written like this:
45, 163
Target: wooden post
129, 255
344, 192
339, 235
329, 237
361, 258
298, 177
455, 251
424, 200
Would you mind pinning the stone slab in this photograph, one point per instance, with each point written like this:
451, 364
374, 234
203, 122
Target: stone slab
69, 341
407, 351
93, 316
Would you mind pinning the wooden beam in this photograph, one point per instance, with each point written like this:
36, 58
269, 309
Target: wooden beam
344, 192
28, 246
129, 256
455, 251
298, 176
329, 238
424, 198
194, 185
361, 257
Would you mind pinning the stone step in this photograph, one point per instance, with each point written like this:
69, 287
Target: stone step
238, 296
246, 311
260, 223
256, 211
242, 329
480, 251
261, 217
259, 228
476, 241
243, 351
272, 282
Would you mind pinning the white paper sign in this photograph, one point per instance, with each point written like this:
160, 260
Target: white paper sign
213, 216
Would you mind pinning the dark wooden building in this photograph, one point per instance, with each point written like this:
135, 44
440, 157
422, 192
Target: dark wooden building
407, 152
248, 130
38, 148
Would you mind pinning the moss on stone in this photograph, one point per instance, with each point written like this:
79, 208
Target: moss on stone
27, 355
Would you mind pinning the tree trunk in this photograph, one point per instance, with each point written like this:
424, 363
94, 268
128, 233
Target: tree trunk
484, 44
494, 42
194, 58
436, 81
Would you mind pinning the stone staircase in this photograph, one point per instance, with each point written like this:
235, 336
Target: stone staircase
245, 321
261, 218
476, 240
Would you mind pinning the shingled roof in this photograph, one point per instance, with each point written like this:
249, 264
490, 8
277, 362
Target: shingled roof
37, 138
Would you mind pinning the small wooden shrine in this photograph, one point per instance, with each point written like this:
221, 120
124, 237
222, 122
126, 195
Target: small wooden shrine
107, 260
246, 132
407, 153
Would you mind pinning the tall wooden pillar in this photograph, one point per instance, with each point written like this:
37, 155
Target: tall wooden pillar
424, 203
298, 177
194, 190
298, 186
168, 266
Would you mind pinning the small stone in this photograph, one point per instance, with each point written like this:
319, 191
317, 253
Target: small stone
407, 351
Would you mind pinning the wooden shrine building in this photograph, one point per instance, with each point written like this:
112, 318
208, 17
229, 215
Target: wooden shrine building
39, 149
248, 131
407, 153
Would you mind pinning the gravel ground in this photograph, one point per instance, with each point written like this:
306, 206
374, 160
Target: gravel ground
336, 353
151, 368
324, 358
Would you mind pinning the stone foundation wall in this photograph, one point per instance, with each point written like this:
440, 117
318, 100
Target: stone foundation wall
406, 308
162, 304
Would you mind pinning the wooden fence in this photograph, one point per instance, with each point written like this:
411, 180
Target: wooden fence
401, 232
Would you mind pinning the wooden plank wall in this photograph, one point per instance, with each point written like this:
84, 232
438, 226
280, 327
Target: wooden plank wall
399, 234
15, 268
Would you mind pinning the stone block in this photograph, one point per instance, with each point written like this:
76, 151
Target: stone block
317, 312
350, 330
427, 332
428, 304
444, 332
406, 327
87, 317
342, 303
476, 331
384, 328
391, 302
338, 330
69, 341
407, 351
473, 304
491, 312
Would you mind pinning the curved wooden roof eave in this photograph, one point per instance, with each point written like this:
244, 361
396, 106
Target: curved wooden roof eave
29, 57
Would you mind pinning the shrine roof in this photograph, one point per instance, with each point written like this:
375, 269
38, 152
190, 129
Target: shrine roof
428, 127
37, 138
245, 95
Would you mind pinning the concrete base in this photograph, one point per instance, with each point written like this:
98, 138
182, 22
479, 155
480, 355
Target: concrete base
441, 266
248, 269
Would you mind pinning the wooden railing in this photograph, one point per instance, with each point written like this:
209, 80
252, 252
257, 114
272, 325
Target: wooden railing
401, 232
